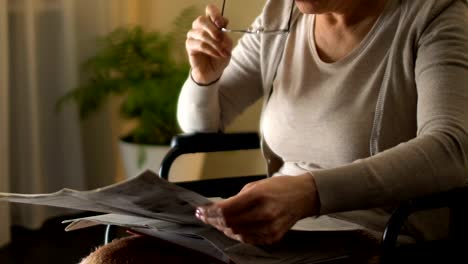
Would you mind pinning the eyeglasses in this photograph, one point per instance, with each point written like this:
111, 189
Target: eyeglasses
261, 29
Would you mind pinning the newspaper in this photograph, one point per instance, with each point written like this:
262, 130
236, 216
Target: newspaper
150, 205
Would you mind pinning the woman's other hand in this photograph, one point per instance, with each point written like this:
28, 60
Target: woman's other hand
209, 49
265, 210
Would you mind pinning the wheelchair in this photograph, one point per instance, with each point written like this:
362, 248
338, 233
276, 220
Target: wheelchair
441, 251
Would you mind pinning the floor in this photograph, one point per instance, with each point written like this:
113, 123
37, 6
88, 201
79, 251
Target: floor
51, 244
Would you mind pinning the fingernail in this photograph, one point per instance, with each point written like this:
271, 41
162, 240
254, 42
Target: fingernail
226, 53
219, 22
200, 215
199, 212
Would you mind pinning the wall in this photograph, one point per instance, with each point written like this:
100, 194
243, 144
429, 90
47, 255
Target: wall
101, 132
4, 121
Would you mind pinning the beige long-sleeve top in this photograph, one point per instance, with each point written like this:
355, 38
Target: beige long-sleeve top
387, 123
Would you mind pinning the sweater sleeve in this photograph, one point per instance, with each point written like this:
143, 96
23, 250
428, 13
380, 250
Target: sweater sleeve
437, 158
212, 108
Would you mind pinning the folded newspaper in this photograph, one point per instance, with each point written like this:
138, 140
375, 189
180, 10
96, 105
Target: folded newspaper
153, 206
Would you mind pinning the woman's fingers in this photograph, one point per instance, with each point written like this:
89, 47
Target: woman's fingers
260, 225
246, 218
208, 48
200, 41
205, 24
233, 206
260, 234
195, 46
265, 210
214, 14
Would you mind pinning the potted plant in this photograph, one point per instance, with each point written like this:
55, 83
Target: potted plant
146, 69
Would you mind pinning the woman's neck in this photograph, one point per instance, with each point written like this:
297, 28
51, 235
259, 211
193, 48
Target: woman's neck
348, 14
339, 32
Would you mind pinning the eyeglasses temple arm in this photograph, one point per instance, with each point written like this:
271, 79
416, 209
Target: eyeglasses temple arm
222, 8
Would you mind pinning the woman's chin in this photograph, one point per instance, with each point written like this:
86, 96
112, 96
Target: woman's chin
308, 6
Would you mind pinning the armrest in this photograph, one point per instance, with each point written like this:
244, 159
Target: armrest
455, 199
223, 187
211, 142
207, 142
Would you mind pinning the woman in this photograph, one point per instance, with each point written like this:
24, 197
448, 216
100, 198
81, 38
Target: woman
364, 104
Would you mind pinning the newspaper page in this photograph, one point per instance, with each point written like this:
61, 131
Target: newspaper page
202, 238
150, 205
145, 195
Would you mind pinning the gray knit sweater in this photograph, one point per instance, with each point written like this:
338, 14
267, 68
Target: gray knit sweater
417, 138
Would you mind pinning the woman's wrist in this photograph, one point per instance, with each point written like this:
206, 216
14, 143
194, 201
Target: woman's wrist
203, 82
312, 196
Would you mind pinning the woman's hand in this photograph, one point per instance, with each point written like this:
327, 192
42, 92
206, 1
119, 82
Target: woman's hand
208, 48
265, 210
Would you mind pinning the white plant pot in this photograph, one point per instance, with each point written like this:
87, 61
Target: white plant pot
138, 158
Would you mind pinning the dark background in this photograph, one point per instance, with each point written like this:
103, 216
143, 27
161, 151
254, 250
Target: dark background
52, 244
